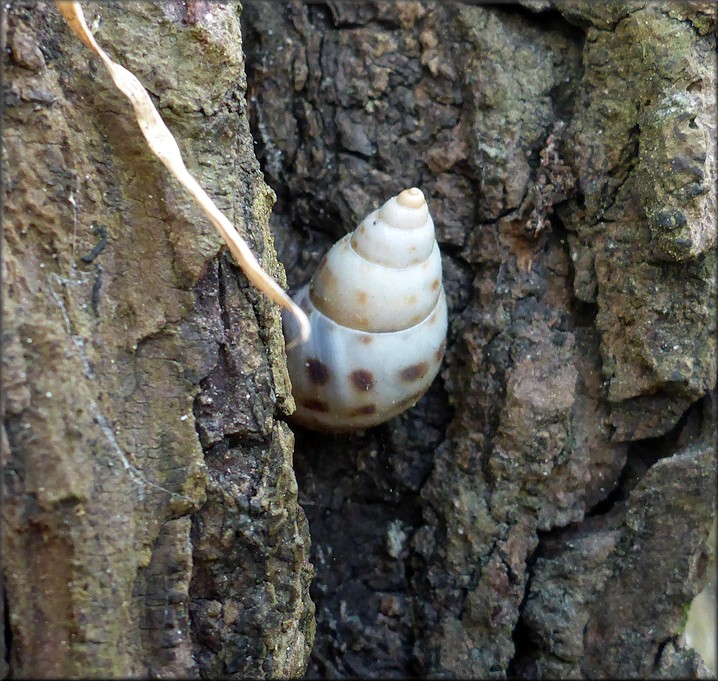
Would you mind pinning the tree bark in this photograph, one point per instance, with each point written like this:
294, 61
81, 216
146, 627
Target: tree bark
150, 517
540, 513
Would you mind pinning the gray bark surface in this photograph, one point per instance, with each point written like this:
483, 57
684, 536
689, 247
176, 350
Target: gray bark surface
543, 509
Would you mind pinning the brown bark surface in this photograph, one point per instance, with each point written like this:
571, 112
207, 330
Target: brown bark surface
150, 517
542, 510
540, 513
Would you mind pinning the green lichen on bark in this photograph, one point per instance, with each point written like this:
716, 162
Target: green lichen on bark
646, 168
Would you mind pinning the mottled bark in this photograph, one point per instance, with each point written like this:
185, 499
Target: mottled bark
542, 511
150, 517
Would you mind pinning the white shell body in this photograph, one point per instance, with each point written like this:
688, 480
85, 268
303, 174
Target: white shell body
378, 319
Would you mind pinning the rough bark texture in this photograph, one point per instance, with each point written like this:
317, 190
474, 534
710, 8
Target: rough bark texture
542, 511
150, 517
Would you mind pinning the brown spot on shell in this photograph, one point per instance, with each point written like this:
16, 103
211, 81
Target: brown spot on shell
366, 340
314, 405
362, 297
435, 285
415, 320
324, 284
414, 372
317, 372
410, 300
328, 276
425, 265
362, 229
362, 379
364, 410
440, 352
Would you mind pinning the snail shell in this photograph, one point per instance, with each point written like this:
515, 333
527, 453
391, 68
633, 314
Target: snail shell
378, 319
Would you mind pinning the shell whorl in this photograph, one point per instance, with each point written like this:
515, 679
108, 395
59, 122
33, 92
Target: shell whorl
386, 275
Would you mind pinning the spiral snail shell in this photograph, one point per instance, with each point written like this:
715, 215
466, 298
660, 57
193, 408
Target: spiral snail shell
378, 318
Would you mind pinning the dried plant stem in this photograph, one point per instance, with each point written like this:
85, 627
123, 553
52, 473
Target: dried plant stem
164, 146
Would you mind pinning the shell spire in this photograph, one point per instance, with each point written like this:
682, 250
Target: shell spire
386, 275
411, 198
